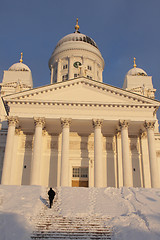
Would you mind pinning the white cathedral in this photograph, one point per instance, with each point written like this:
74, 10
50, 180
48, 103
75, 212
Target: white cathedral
78, 131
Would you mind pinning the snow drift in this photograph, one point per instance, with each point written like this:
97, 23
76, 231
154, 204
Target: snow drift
134, 213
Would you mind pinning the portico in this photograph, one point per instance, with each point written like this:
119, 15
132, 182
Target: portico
90, 144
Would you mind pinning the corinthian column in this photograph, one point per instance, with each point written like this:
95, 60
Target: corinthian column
7, 164
98, 159
51, 74
37, 152
59, 66
152, 154
70, 67
65, 123
126, 160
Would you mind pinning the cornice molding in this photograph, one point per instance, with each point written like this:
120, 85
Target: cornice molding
84, 81
81, 104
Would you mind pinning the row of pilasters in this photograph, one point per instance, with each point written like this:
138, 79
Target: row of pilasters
36, 165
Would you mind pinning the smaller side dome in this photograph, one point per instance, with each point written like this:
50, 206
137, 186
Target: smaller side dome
19, 67
137, 81
17, 78
136, 72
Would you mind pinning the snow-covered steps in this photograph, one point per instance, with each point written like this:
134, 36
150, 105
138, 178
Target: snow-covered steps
51, 226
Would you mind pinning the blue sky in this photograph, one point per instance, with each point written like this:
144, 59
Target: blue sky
122, 29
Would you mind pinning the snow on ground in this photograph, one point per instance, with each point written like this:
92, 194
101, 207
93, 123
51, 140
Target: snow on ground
134, 213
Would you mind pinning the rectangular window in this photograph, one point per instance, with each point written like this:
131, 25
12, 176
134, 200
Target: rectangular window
75, 172
89, 77
76, 75
65, 77
80, 172
65, 66
84, 172
89, 68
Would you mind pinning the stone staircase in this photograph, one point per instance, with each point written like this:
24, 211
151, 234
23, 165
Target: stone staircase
51, 225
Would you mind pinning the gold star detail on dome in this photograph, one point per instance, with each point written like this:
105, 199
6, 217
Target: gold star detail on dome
21, 60
134, 65
77, 26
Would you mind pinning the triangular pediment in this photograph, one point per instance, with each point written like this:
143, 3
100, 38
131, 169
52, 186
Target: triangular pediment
81, 90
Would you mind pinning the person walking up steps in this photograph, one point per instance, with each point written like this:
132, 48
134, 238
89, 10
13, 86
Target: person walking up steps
51, 194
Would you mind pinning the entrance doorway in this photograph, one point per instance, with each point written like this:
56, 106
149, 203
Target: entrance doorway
80, 177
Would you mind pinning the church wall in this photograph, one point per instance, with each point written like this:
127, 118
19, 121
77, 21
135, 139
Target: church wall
2, 150
157, 140
109, 149
52, 159
119, 160
78, 153
91, 159
145, 161
158, 164
26, 148
136, 161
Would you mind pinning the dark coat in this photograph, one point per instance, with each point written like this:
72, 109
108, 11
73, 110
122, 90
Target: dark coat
51, 193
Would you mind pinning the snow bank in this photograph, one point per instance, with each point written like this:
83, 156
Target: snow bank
134, 213
19, 205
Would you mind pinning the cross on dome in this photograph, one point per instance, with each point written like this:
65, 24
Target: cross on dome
134, 63
21, 60
77, 26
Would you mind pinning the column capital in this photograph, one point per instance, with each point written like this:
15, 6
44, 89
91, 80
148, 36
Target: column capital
143, 134
38, 121
18, 131
97, 123
149, 124
44, 132
12, 121
123, 124
66, 122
